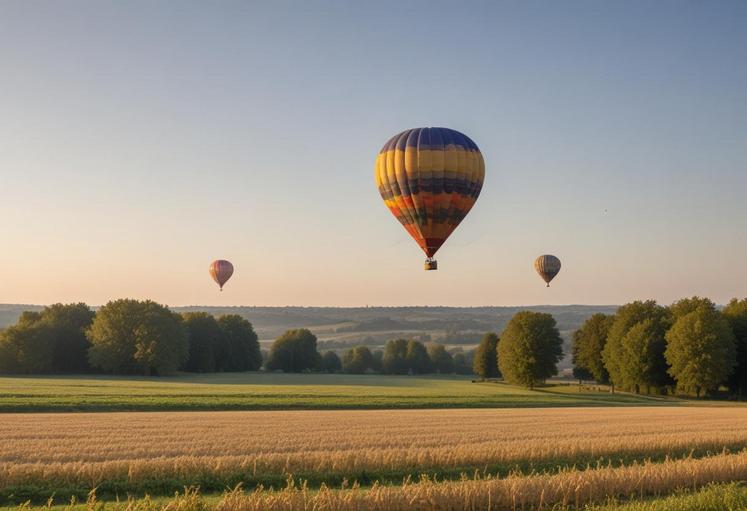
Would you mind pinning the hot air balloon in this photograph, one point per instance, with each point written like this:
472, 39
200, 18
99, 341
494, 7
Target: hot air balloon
221, 271
547, 266
429, 179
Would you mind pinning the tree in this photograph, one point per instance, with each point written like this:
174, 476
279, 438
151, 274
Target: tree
736, 314
685, 306
485, 363
294, 352
530, 348
161, 344
26, 347
395, 357
441, 360
378, 361
331, 362
588, 344
634, 353
357, 360
68, 323
463, 361
207, 343
131, 336
417, 358
701, 349
241, 342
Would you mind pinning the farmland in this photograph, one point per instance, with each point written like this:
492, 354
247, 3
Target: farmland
581, 454
263, 391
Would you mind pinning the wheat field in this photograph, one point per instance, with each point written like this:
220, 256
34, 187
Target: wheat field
224, 448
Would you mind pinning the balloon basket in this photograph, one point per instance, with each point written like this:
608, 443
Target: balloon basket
430, 264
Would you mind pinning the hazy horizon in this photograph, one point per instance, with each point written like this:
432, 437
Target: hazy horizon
139, 141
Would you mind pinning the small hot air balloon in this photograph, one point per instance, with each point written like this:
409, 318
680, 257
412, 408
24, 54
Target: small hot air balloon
221, 271
429, 179
547, 266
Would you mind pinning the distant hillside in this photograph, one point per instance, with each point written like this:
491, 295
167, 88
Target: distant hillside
338, 327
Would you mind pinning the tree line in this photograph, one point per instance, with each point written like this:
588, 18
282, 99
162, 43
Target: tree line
127, 337
689, 347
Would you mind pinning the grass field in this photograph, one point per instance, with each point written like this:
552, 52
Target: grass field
515, 453
261, 391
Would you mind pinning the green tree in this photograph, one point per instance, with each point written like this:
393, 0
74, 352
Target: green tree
241, 342
463, 361
207, 343
441, 360
530, 349
701, 349
131, 336
331, 362
485, 363
395, 357
588, 344
685, 306
161, 344
736, 314
68, 323
357, 360
294, 352
26, 347
634, 353
378, 361
417, 358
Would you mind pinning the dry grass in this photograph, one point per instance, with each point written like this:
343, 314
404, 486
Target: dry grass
88, 449
569, 488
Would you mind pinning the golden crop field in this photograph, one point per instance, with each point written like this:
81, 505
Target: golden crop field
139, 451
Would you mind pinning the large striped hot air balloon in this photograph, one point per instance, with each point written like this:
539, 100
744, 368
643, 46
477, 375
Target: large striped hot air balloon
429, 179
547, 266
221, 271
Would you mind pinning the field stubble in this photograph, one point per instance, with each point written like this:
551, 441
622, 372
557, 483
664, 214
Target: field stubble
158, 452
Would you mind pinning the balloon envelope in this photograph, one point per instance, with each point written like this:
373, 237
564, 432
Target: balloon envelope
547, 266
429, 179
221, 271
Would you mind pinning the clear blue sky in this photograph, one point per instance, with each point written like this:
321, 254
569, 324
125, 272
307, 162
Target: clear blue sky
140, 140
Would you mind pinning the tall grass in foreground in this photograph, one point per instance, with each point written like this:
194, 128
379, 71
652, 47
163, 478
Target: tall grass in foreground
570, 489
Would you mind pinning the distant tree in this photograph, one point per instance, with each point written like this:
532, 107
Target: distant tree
588, 344
242, 344
634, 352
441, 360
395, 357
701, 349
207, 343
131, 336
581, 374
378, 361
26, 347
294, 352
417, 358
463, 361
485, 363
357, 360
736, 314
68, 323
529, 349
331, 362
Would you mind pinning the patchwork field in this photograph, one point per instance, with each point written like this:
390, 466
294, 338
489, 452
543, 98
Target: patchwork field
529, 456
263, 391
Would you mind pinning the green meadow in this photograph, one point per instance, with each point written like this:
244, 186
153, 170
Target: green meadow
263, 391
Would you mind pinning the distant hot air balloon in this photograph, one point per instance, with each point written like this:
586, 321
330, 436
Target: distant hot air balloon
429, 179
221, 271
547, 266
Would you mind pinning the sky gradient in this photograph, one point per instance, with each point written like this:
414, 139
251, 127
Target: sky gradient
140, 140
